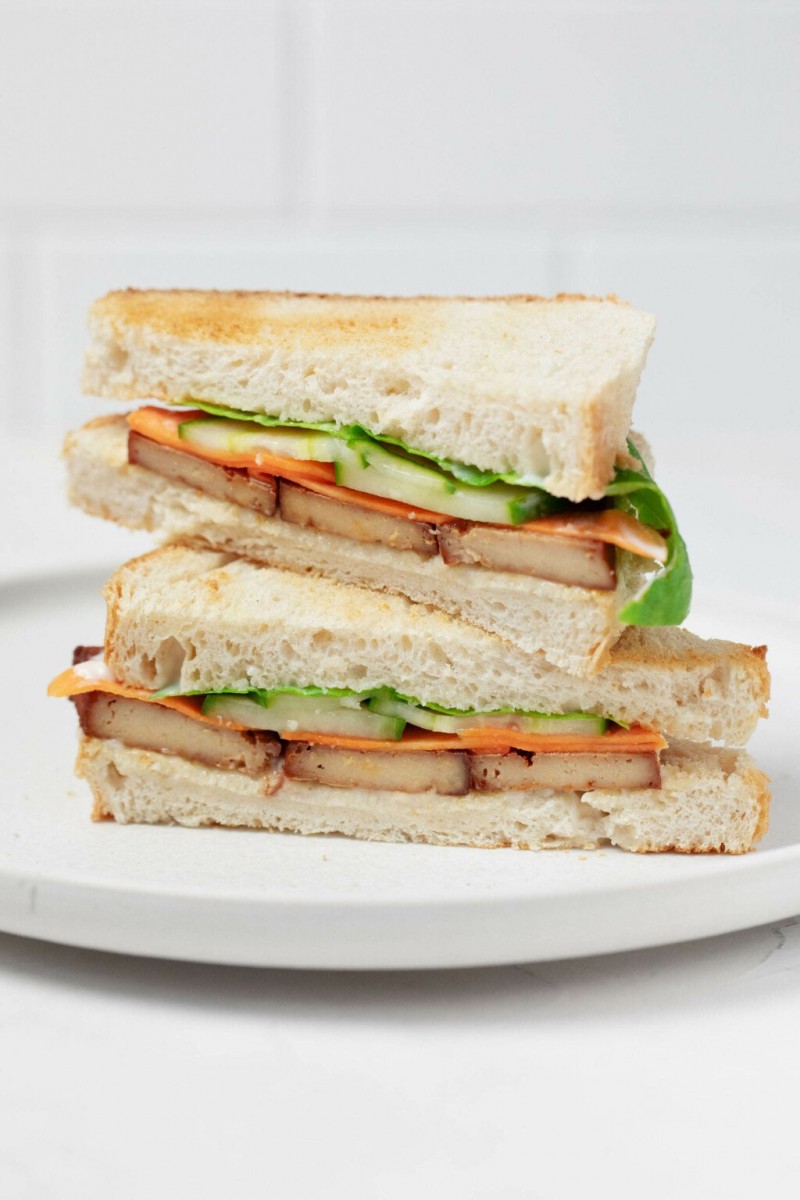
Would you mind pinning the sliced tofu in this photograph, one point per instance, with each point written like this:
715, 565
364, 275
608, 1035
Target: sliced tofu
516, 771
224, 483
153, 727
581, 562
443, 771
303, 507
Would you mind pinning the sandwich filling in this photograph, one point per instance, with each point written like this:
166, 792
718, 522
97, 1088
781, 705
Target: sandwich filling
376, 740
345, 481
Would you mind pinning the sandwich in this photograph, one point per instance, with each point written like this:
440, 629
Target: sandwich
473, 455
232, 693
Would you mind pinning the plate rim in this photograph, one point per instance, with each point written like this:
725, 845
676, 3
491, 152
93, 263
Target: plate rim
723, 875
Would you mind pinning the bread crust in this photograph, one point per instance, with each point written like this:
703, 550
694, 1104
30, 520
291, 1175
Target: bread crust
197, 313
540, 386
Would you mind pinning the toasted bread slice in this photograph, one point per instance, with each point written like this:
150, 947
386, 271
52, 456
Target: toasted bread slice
710, 801
212, 621
542, 387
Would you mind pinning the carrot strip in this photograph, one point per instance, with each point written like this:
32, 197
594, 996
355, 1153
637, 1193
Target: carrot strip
482, 741
70, 683
635, 740
412, 739
606, 525
496, 741
162, 427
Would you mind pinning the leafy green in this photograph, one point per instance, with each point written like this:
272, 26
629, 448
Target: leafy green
262, 696
235, 414
667, 597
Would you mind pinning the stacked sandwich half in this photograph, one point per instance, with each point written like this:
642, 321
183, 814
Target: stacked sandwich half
418, 580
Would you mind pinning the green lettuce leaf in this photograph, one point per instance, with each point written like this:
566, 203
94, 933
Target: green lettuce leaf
235, 414
262, 695
667, 597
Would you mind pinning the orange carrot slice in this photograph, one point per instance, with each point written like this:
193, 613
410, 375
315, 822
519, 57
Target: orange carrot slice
606, 525
70, 683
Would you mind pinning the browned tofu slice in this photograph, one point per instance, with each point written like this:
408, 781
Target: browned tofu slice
516, 771
224, 483
581, 562
443, 771
153, 727
303, 507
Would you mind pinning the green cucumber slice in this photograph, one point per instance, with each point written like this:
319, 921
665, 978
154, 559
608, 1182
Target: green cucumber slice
247, 437
367, 467
579, 724
564, 724
287, 713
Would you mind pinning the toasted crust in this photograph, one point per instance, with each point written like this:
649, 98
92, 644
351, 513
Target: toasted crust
544, 387
245, 317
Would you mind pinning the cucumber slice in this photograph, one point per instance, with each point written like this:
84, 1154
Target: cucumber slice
286, 713
368, 467
566, 724
578, 724
247, 437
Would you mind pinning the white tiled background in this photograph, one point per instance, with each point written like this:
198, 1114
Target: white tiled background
651, 149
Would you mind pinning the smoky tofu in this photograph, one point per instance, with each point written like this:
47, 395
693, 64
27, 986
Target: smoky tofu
154, 727
223, 483
580, 562
516, 771
444, 771
303, 507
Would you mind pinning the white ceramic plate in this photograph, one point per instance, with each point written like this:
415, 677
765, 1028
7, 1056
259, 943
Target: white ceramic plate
233, 896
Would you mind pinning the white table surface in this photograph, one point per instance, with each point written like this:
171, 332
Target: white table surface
661, 1073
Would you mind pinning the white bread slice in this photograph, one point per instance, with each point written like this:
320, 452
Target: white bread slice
543, 387
710, 800
574, 627
216, 622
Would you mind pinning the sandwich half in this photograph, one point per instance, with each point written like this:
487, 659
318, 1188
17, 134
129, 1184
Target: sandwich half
233, 694
470, 454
